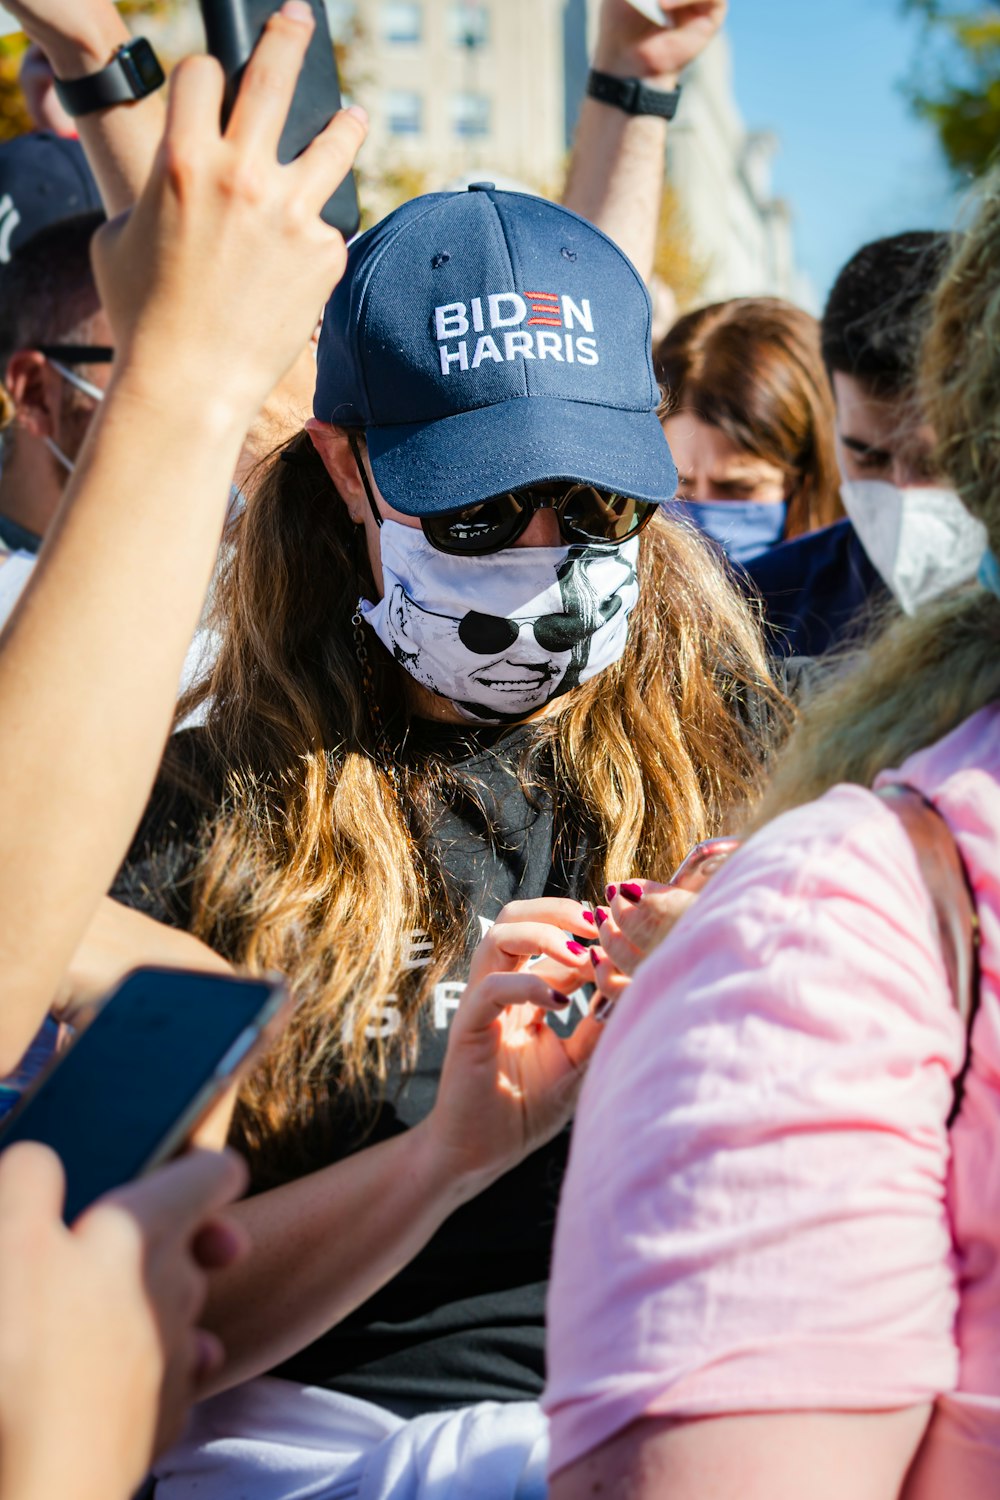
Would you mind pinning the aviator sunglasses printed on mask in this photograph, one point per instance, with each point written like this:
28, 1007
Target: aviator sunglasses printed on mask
559, 615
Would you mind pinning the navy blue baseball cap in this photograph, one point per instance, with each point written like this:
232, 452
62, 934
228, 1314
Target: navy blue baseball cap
487, 341
43, 178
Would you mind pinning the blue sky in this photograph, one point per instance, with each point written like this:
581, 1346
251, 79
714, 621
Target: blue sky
854, 163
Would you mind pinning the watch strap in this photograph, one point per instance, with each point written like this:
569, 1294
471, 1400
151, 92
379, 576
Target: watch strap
632, 95
133, 73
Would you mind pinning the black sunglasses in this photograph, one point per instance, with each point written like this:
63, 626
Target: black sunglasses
585, 513
78, 354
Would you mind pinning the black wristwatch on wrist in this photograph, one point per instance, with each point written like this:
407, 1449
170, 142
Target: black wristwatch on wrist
632, 95
132, 73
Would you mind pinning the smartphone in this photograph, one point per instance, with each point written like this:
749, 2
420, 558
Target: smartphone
232, 29
130, 1090
703, 861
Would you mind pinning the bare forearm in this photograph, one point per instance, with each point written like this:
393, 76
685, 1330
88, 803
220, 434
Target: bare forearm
323, 1245
616, 171
152, 482
616, 178
120, 143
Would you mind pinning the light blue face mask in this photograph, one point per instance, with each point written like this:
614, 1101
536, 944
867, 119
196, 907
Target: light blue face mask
742, 528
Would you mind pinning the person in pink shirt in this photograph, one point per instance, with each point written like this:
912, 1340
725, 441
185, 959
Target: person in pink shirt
776, 1270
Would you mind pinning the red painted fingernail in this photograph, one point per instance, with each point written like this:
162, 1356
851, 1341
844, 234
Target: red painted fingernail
588, 916
576, 948
610, 892
604, 1009
560, 998
596, 954
632, 892
600, 916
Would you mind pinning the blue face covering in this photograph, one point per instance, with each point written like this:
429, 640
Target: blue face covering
742, 528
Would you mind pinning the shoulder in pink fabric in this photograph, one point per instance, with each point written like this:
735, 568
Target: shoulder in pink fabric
761, 1203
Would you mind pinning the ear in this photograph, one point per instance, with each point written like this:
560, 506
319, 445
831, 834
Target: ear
32, 386
334, 448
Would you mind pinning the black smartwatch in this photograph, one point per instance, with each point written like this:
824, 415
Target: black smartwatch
132, 73
632, 95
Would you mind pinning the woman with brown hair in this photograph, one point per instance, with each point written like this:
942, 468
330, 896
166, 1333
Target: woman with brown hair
750, 421
468, 672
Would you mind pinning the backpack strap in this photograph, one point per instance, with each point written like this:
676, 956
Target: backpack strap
952, 895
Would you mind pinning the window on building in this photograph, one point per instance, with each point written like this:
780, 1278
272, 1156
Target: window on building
470, 114
404, 112
401, 21
470, 24
342, 15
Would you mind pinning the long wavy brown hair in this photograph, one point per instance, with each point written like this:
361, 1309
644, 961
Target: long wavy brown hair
918, 677
315, 864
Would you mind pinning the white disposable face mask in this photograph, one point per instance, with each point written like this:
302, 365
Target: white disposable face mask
89, 389
502, 635
923, 541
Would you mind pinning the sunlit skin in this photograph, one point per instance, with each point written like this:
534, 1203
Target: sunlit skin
879, 437
47, 406
711, 466
333, 447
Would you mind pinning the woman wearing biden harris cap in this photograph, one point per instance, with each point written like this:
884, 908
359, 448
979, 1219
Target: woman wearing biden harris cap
466, 662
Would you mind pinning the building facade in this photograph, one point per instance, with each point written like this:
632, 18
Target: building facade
459, 89
455, 88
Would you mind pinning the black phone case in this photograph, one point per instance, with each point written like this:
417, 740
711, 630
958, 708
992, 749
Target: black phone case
232, 29
125, 1095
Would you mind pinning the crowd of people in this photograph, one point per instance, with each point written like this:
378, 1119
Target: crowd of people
410, 659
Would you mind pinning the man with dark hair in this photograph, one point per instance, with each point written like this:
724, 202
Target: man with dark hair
820, 589
55, 352
872, 328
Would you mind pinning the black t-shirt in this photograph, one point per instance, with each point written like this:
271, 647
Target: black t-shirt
464, 1322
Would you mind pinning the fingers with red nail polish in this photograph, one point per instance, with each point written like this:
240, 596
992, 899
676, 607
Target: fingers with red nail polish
610, 892
631, 891
576, 948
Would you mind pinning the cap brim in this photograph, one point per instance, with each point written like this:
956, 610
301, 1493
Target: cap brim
424, 468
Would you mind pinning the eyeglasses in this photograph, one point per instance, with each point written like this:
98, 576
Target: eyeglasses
585, 514
78, 354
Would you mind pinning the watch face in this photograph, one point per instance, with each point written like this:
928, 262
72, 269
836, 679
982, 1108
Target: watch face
144, 66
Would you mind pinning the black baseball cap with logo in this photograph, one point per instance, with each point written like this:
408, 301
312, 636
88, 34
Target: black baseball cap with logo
44, 177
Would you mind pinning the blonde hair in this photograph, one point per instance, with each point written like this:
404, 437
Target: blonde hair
317, 866
918, 678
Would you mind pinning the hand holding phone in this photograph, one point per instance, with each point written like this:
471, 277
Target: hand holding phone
232, 31
701, 862
130, 1091
660, 45
102, 1355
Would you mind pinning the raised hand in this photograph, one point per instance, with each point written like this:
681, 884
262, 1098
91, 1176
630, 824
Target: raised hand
225, 250
630, 46
71, 30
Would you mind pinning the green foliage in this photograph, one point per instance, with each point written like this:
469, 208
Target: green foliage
957, 87
14, 119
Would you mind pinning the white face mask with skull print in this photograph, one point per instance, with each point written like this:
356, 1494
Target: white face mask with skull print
502, 635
